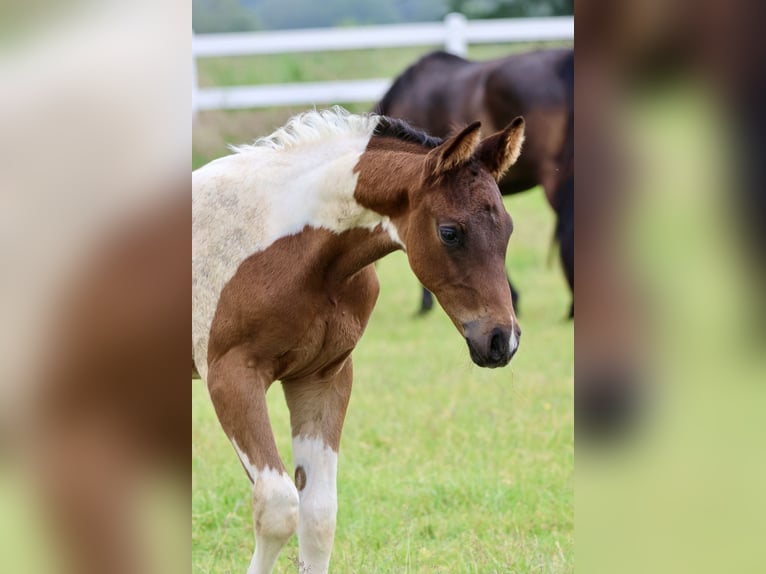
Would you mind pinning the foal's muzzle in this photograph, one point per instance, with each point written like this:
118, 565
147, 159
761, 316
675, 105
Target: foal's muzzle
492, 349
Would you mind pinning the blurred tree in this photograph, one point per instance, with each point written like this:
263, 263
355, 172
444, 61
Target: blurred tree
421, 10
282, 14
209, 16
510, 8
239, 15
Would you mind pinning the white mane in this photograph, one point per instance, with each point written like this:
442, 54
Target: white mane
313, 126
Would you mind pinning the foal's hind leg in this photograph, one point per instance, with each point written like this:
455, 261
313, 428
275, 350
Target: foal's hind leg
317, 409
239, 395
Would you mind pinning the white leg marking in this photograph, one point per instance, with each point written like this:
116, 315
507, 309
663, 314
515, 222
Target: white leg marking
318, 502
275, 513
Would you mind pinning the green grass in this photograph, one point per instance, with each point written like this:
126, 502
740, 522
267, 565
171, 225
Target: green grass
444, 467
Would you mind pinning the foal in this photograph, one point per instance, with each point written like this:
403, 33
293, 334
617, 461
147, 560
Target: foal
285, 233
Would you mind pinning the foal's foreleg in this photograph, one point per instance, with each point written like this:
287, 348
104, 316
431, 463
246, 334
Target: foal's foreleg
239, 396
317, 409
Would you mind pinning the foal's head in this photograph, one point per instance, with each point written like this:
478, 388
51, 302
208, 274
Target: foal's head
457, 236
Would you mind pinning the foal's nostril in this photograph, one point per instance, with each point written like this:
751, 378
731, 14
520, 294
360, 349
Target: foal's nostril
498, 345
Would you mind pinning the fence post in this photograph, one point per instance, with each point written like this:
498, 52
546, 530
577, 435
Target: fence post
195, 86
455, 25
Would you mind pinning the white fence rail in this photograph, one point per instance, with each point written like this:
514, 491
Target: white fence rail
455, 33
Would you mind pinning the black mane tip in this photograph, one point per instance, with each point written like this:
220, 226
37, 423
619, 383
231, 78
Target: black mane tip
401, 130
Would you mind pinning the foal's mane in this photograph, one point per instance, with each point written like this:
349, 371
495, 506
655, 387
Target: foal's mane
401, 130
314, 126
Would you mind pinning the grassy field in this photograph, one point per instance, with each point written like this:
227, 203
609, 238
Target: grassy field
444, 467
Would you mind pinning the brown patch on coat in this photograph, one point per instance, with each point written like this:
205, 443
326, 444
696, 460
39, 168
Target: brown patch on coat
300, 478
293, 312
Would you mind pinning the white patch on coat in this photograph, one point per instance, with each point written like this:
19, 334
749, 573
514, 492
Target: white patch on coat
302, 175
318, 503
275, 512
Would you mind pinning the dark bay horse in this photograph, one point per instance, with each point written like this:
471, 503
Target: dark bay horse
285, 233
442, 91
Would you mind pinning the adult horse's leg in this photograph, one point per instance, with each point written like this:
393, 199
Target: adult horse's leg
427, 302
514, 296
317, 409
565, 232
238, 392
559, 191
566, 247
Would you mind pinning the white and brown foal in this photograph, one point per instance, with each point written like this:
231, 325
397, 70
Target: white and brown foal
284, 236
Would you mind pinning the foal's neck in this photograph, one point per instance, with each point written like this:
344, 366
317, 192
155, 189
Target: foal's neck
354, 250
389, 173
386, 176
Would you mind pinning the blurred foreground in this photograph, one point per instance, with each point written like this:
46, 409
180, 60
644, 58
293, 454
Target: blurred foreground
669, 365
94, 251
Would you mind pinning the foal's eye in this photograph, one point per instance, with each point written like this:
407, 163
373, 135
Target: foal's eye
450, 235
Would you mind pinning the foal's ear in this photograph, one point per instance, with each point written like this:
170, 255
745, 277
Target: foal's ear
455, 151
500, 151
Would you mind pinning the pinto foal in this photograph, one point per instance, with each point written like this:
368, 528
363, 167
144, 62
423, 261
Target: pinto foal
285, 233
